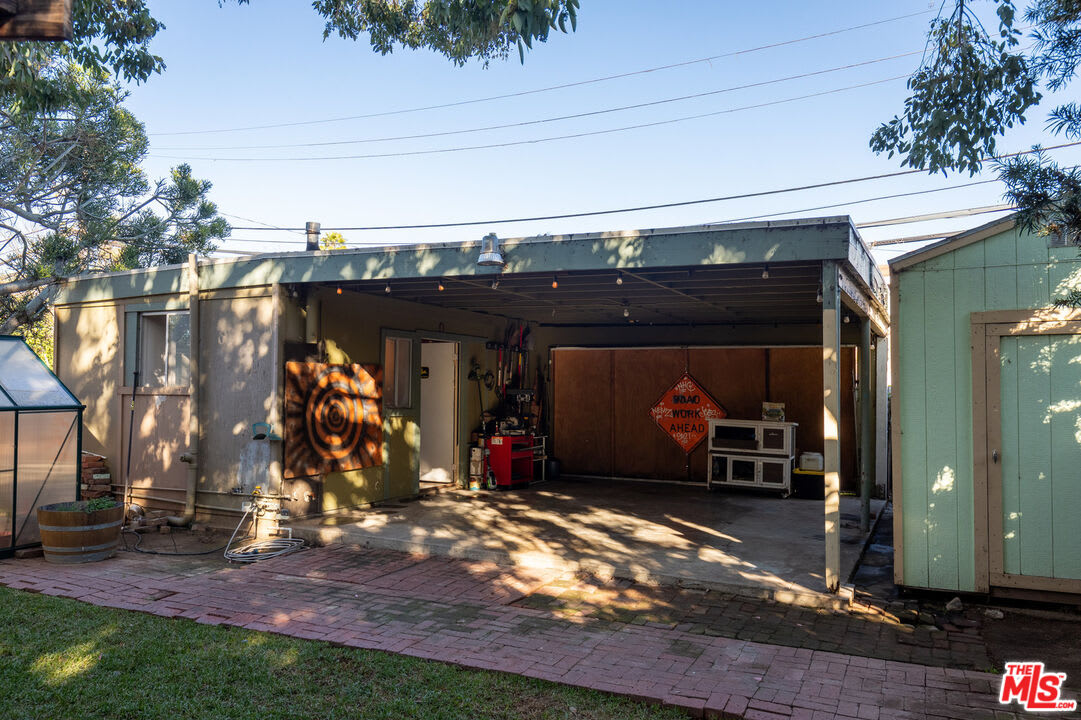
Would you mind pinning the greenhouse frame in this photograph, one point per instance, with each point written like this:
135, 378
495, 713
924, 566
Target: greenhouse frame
41, 428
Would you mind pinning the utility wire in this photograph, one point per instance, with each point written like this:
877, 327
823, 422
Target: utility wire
535, 141
563, 86
746, 218
268, 226
526, 123
854, 202
682, 203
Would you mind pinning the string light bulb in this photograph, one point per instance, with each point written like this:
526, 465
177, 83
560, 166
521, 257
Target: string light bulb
440, 286
626, 312
387, 289
619, 278
765, 272
818, 299
555, 282
339, 289
495, 283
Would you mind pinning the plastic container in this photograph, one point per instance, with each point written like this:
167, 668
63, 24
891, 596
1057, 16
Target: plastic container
811, 461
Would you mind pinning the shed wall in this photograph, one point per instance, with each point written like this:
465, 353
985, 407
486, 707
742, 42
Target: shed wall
1008, 271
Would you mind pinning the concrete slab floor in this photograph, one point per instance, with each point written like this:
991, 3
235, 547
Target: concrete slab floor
753, 544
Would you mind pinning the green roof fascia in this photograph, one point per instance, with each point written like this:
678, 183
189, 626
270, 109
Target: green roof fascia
774, 242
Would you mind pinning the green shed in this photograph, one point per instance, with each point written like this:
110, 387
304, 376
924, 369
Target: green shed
987, 414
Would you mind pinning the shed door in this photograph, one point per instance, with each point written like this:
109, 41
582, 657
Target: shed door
1034, 454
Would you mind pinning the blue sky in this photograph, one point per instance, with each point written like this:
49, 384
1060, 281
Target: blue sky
267, 63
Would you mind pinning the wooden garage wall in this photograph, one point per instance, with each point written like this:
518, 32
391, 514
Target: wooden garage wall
602, 424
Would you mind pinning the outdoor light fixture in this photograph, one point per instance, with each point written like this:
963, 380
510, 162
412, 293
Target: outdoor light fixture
555, 282
387, 289
440, 286
619, 278
489, 251
765, 272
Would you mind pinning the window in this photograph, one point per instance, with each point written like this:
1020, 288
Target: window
398, 372
164, 347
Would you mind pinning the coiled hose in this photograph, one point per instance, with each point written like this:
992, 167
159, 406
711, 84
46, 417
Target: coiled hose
260, 549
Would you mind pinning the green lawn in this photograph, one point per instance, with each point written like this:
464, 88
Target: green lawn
66, 660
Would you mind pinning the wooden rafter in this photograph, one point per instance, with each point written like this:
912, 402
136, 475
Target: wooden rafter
46, 20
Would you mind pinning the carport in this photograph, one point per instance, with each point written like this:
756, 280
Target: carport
784, 304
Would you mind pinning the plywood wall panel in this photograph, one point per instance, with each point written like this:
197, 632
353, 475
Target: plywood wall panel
603, 397
582, 421
640, 447
736, 378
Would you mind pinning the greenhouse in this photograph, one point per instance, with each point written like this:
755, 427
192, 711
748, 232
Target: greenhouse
41, 427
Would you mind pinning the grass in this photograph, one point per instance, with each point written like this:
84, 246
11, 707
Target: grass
60, 658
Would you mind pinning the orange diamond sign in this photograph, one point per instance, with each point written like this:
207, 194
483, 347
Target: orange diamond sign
684, 412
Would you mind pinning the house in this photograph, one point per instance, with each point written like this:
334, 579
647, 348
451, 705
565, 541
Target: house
349, 377
986, 404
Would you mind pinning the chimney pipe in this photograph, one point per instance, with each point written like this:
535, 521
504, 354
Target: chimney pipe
312, 228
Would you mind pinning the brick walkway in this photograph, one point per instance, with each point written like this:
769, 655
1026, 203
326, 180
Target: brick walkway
867, 632
470, 613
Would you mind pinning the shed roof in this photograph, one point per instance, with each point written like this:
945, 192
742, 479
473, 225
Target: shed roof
953, 242
681, 274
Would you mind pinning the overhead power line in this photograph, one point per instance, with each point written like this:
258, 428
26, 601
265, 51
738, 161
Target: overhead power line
535, 141
575, 116
854, 202
550, 88
659, 206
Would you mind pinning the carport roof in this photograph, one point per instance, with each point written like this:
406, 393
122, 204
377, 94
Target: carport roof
683, 275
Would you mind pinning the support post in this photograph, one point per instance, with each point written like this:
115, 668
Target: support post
831, 415
867, 429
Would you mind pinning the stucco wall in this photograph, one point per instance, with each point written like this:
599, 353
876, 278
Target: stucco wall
87, 359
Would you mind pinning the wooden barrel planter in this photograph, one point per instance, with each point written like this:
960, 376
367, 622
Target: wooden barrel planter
72, 534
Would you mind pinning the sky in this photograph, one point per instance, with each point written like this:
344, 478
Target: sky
231, 68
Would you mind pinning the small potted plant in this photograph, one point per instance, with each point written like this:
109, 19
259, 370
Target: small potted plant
82, 531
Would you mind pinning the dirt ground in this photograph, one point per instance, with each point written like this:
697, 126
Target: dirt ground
1021, 636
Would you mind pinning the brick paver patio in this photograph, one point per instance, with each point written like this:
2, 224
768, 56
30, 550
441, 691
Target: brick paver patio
472, 614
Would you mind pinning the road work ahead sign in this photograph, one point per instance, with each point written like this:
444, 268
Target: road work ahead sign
684, 412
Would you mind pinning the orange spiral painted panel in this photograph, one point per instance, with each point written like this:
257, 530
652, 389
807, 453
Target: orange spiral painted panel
333, 418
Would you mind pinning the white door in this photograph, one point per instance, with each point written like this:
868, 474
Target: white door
438, 411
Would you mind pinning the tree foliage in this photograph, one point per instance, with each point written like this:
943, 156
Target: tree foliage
972, 87
108, 36
332, 241
459, 29
73, 197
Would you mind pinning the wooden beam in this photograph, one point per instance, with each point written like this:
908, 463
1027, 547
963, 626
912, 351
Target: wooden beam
47, 20
867, 427
831, 415
864, 304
